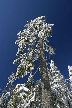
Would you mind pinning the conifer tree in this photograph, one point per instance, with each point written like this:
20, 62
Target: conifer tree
35, 38
51, 91
59, 87
7, 91
70, 85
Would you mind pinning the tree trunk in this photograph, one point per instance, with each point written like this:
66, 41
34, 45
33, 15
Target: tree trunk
46, 98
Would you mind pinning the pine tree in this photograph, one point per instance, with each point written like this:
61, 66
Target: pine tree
70, 85
59, 86
7, 91
36, 29
51, 91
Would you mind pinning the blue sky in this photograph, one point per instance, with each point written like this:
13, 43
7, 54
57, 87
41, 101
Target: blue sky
13, 17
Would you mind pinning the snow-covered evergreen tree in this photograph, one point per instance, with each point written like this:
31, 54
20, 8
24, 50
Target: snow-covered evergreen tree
59, 86
7, 91
51, 91
35, 38
70, 85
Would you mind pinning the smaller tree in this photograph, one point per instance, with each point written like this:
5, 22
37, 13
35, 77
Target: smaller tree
59, 86
70, 85
7, 92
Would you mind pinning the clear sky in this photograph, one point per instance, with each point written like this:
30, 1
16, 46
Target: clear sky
13, 17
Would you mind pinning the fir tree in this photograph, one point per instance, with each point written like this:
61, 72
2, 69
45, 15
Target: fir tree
59, 86
51, 91
36, 29
7, 92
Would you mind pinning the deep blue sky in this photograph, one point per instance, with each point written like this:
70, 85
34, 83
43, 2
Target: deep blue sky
13, 17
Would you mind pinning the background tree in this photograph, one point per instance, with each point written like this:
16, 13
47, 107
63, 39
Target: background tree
70, 85
7, 91
59, 86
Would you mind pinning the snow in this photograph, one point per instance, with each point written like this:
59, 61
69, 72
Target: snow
22, 86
